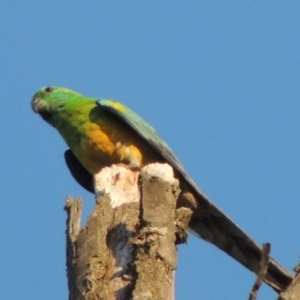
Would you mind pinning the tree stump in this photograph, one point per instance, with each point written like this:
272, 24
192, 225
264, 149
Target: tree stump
127, 250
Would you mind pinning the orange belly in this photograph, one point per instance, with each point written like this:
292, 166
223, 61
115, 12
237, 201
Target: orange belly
100, 148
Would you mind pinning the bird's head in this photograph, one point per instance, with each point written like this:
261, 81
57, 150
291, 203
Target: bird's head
48, 101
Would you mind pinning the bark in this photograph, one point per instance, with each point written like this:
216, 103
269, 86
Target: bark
263, 271
127, 250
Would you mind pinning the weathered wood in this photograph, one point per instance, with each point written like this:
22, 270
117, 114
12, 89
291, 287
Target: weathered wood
265, 257
293, 290
127, 250
73, 208
156, 254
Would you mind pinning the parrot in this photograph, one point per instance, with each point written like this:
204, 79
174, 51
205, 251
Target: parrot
103, 132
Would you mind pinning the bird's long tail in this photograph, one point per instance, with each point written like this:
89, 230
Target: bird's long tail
241, 247
211, 224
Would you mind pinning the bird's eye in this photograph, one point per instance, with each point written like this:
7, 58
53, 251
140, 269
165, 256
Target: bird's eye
48, 89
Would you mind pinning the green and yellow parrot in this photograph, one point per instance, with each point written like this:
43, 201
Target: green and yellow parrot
103, 132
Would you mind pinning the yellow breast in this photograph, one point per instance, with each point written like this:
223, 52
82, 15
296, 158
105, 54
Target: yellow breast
99, 139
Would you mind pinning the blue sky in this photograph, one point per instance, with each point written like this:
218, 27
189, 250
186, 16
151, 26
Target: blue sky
219, 80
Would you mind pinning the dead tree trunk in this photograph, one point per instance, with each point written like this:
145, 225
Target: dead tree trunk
127, 250
293, 290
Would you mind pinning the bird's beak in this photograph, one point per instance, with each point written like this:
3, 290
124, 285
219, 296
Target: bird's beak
35, 105
39, 108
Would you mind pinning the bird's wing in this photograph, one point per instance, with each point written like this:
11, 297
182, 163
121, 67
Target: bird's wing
142, 128
79, 172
